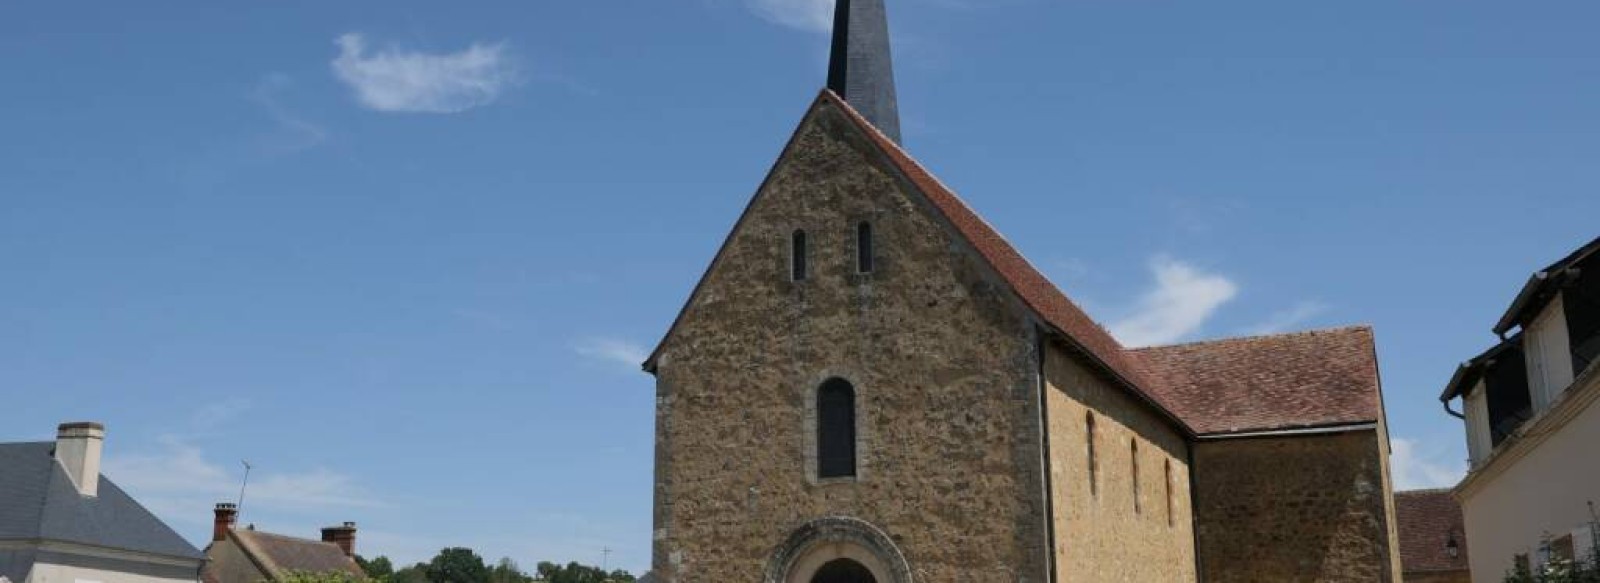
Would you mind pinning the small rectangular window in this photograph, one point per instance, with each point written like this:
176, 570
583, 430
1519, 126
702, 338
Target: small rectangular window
864, 247
797, 256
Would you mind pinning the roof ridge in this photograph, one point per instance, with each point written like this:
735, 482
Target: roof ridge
290, 537
1258, 337
965, 205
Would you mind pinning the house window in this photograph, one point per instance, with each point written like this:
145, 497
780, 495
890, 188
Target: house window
836, 429
864, 247
797, 255
1088, 431
1166, 474
1133, 458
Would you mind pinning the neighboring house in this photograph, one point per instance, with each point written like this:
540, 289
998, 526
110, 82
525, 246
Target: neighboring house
61, 521
1532, 424
1433, 545
869, 383
246, 555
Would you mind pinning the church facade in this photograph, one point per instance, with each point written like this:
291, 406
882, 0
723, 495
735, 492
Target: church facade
870, 384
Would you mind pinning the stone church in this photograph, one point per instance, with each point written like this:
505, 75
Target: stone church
870, 384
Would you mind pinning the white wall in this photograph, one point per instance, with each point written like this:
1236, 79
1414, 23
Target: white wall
1512, 506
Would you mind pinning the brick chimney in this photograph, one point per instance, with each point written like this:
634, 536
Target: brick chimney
343, 535
78, 448
227, 516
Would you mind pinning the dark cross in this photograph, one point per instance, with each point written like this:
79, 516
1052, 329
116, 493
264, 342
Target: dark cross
861, 70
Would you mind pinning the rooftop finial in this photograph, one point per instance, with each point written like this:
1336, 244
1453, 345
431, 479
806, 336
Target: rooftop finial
861, 70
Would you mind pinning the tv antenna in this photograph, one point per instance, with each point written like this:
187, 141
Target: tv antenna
243, 483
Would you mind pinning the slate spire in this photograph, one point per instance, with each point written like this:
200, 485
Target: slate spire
861, 70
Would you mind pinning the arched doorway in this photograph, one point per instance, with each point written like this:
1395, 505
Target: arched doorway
843, 571
838, 549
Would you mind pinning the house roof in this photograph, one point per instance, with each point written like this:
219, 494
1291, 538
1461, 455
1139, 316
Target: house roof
39, 501
1468, 373
278, 554
1537, 292
1427, 519
1331, 377
1311, 379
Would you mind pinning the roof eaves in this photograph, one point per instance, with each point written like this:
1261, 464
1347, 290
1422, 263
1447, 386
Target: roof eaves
1538, 283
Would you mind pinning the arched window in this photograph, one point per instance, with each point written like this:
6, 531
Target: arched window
1133, 456
1088, 432
797, 255
1166, 470
864, 247
836, 429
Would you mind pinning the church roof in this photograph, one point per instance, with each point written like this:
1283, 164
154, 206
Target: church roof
1043, 297
1267, 383
1303, 380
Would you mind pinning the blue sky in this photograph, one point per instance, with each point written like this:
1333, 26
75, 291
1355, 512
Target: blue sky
405, 256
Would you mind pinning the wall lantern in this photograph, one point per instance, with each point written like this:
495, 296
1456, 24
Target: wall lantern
1451, 547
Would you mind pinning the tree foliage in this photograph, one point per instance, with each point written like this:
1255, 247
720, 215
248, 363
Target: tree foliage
462, 565
310, 577
457, 565
576, 573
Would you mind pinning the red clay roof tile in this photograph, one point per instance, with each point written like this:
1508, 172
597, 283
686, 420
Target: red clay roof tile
1427, 519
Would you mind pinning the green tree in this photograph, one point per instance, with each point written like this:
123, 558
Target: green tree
457, 565
417, 573
506, 571
379, 569
577, 573
310, 577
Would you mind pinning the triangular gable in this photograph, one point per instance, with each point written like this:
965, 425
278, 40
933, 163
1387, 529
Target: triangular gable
1048, 304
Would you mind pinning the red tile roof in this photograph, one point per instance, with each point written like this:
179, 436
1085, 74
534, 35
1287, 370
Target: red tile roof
1286, 381
1426, 520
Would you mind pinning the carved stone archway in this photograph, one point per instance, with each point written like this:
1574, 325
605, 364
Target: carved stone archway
826, 540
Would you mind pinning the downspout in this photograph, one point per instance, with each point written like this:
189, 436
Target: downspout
1194, 517
1452, 412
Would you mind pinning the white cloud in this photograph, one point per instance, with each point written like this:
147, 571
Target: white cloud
178, 480
1180, 303
1413, 468
396, 80
810, 15
294, 133
620, 352
1284, 320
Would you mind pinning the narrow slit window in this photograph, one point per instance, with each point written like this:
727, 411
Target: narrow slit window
1088, 431
864, 247
797, 255
836, 429
1166, 470
1133, 458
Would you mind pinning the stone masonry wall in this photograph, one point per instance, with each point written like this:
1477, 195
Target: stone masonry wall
949, 439
1294, 509
1462, 576
1099, 535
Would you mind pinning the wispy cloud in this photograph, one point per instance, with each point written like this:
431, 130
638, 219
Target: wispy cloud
294, 133
808, 15
1183, 298
178, 479
1414, 466
1284, 320
614, 351
399, 80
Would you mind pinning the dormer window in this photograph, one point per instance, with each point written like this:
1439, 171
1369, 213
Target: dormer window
864, 247
797, 255
1549, 354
